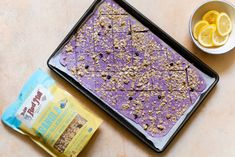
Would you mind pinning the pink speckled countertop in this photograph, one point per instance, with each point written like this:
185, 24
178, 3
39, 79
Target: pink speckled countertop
30, 30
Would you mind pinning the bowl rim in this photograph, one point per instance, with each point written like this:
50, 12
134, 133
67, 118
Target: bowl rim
190, 24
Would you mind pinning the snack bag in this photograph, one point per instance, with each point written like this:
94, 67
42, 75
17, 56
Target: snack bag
51, 117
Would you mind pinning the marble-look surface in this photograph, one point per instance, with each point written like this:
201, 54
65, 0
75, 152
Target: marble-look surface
30, 30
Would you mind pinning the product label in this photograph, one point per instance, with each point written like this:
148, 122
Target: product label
33, 106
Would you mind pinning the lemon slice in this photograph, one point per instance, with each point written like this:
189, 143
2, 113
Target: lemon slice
198, 26
219, 40
224, 24
211, 16
205, 35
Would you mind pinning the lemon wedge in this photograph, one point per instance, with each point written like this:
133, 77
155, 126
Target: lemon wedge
205, 35
224, 24
211, 16
198, 26
219, 40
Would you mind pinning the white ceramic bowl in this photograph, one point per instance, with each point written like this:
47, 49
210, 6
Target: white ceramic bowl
220, 6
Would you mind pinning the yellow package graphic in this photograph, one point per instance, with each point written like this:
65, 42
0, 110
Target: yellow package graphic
51, 117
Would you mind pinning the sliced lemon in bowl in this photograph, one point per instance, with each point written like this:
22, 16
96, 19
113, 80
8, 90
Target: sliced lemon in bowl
224, 24
205, 35
198, 26
219, 40
211, 16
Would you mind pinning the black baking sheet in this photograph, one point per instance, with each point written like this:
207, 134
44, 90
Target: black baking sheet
212, 76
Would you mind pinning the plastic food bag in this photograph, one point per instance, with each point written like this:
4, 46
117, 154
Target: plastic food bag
51, 117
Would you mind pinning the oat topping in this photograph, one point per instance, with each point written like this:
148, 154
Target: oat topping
132, 70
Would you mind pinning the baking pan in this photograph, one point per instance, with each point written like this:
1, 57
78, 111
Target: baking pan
161, 138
